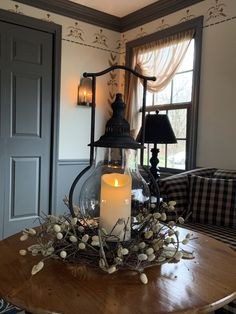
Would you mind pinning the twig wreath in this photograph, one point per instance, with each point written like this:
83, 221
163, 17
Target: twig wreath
154, 241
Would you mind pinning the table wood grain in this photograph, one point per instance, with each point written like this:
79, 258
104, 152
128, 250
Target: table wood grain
191, 286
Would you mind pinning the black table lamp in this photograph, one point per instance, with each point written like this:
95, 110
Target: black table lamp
158, 130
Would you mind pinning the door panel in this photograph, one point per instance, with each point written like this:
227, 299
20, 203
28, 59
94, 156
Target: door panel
25, 170
26, 102
26, 113
26, 51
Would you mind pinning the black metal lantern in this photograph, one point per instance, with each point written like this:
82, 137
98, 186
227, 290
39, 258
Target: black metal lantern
115, 189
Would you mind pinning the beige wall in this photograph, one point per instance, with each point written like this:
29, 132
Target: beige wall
85, 48
217, 109
216, 144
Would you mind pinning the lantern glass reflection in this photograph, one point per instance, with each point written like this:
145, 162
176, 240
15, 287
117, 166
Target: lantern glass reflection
118, 161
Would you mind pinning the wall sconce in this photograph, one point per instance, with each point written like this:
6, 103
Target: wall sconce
85, 92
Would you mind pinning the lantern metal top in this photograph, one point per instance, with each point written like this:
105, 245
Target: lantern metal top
117, 131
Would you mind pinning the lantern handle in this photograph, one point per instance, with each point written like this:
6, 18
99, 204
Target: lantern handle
123, 67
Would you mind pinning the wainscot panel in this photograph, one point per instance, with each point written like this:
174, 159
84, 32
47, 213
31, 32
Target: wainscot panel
67, 172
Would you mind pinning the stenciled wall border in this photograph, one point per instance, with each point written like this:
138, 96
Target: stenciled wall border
75, 33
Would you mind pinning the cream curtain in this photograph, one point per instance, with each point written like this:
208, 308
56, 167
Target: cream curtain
160, 59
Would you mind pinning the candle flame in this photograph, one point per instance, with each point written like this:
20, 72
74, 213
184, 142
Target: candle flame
116, 183
85, 93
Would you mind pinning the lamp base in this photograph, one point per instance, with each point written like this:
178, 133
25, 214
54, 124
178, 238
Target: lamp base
154, 162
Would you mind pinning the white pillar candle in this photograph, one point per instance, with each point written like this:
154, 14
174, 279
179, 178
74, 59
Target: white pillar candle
115, 203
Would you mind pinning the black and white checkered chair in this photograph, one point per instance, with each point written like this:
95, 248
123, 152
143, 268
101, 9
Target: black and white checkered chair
208, 197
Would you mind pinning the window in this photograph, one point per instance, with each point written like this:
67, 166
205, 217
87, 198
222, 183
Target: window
174, 100
178, 99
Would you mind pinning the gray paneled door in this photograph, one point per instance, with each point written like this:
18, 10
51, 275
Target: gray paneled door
25, 125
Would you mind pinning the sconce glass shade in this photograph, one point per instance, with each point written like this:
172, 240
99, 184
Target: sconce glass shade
115, 161
85, 92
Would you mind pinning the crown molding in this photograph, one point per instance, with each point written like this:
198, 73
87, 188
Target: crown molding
77, 12
154, 11
119, 24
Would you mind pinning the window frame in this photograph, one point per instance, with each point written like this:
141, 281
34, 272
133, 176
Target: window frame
192, 110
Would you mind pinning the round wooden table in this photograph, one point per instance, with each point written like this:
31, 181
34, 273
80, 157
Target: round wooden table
193, 286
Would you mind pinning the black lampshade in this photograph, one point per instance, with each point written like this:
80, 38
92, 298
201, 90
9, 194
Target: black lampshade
158, 130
